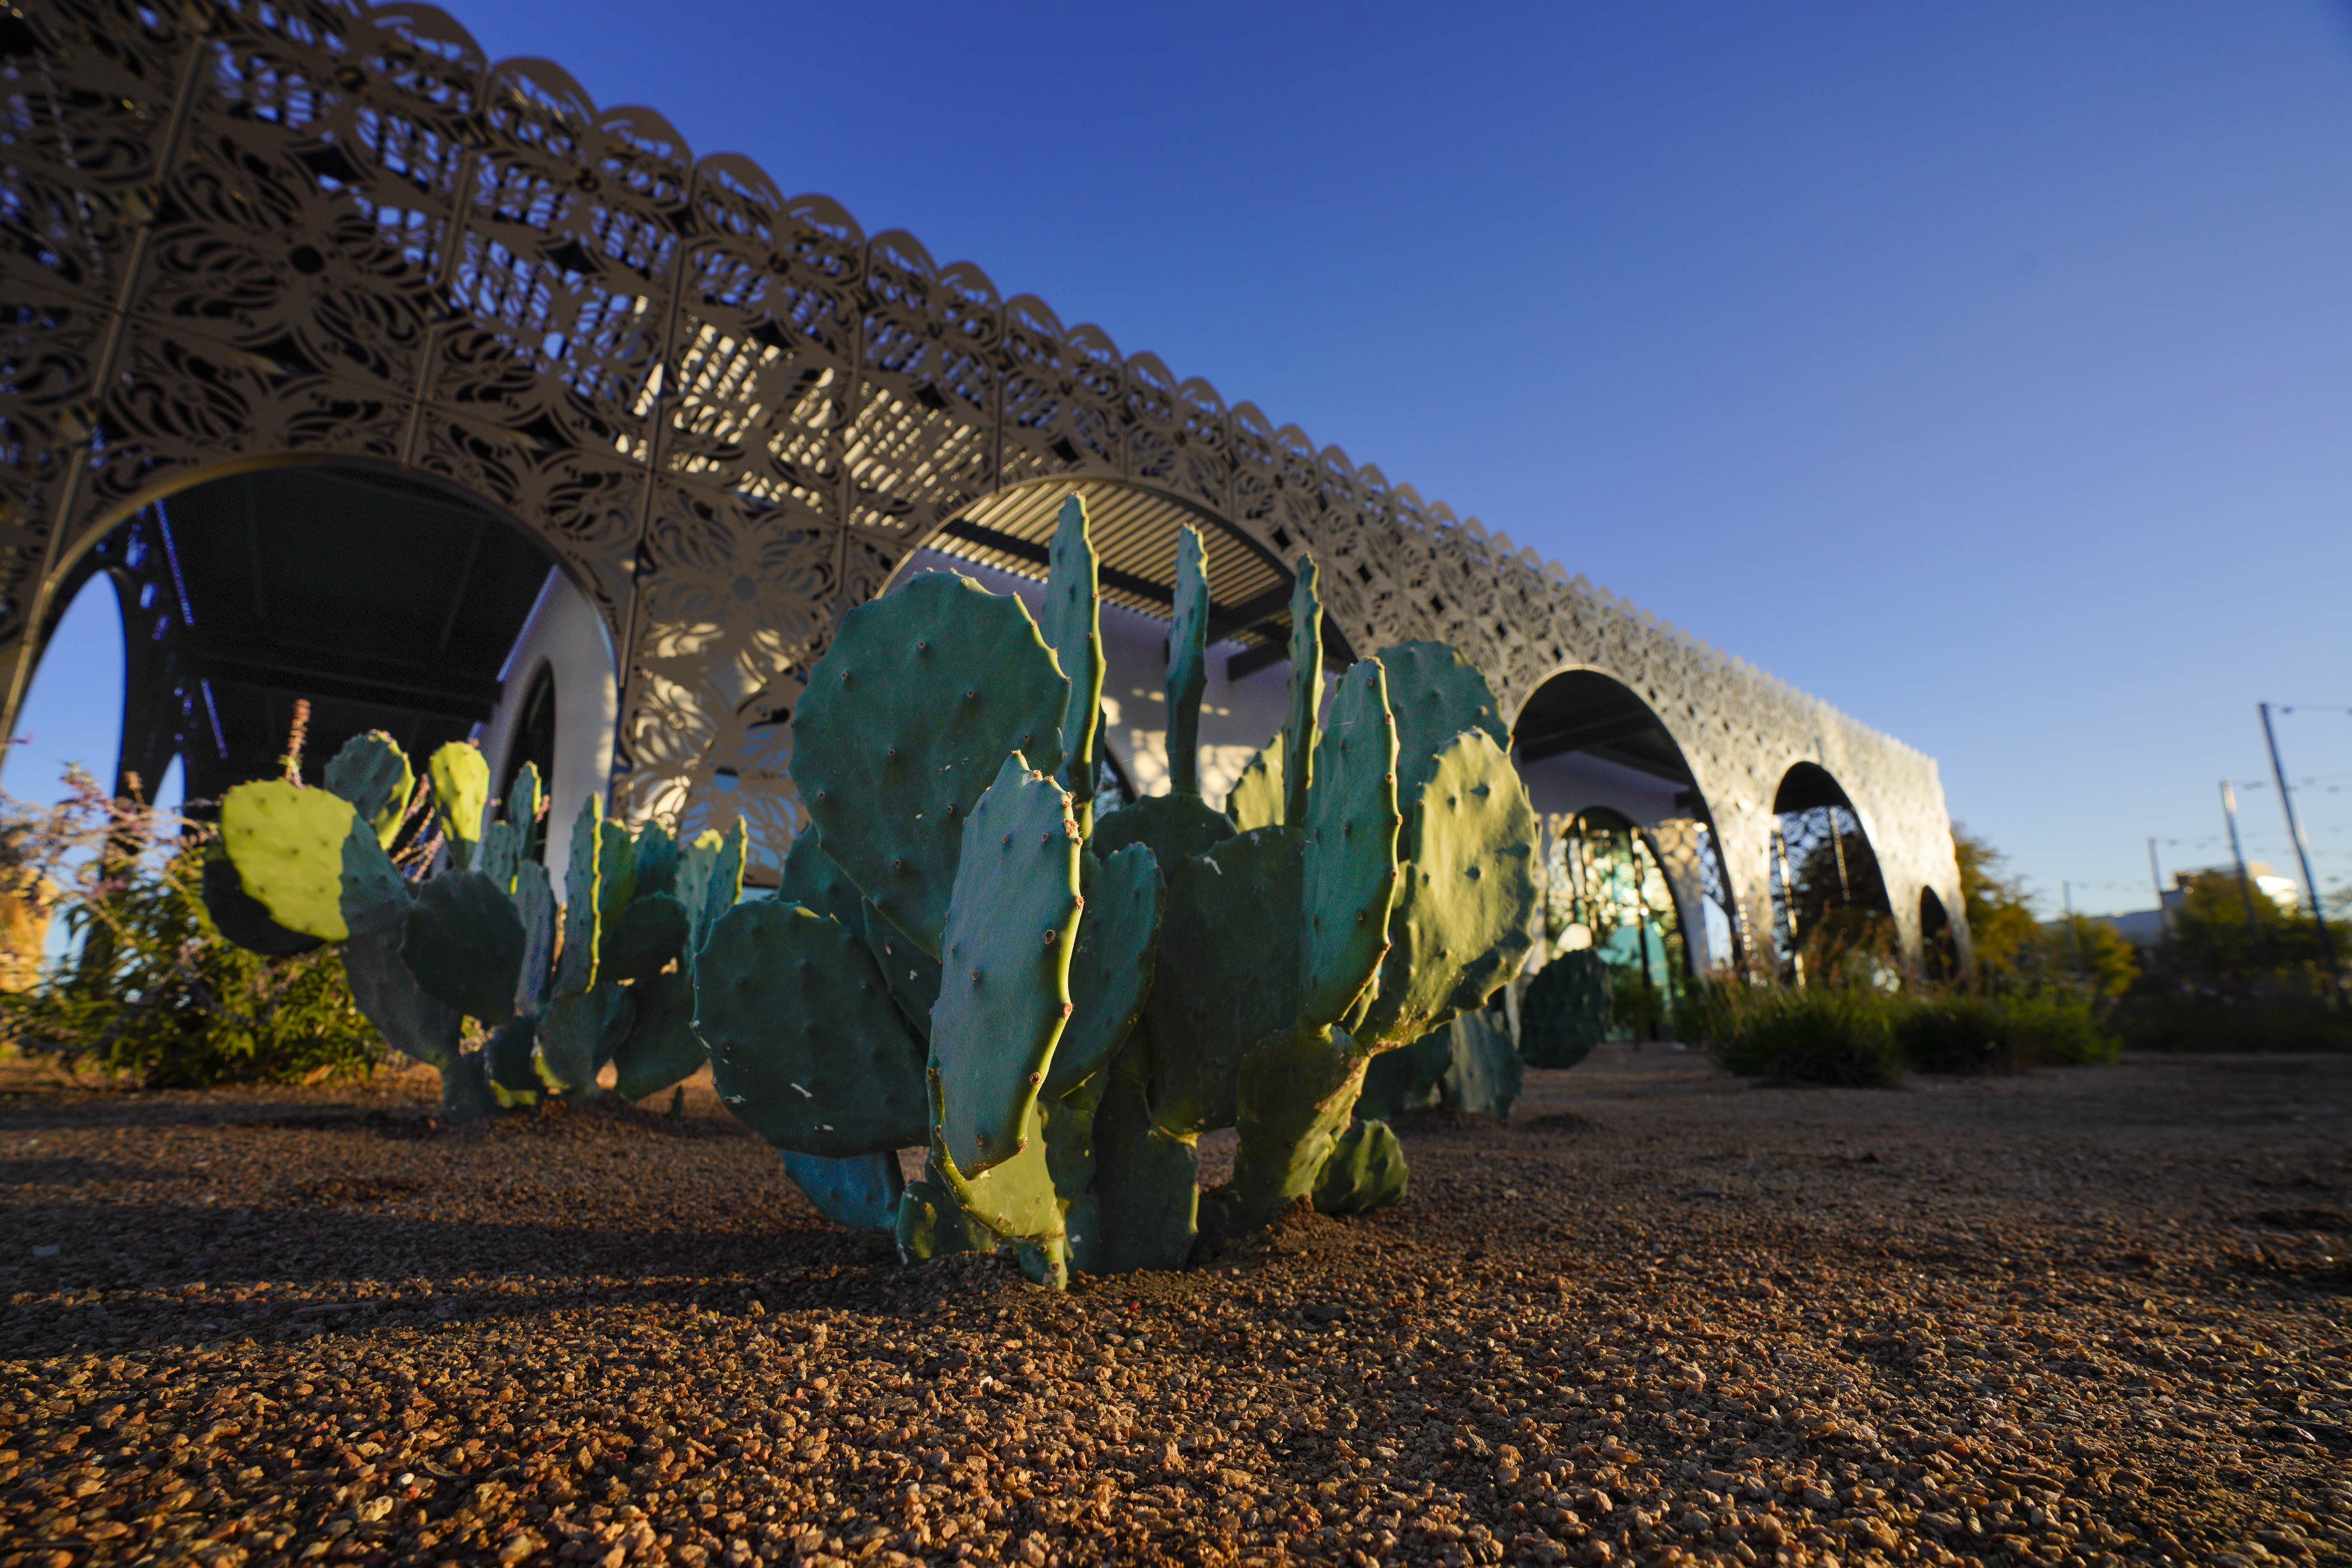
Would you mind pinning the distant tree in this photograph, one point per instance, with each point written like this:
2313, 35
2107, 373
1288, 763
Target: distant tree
2002, 926
2092, 951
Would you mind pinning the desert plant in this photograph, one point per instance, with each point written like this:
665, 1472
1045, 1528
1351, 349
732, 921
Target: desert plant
1815, 1035
1565, 1010
148, 987
462, 927
964, 956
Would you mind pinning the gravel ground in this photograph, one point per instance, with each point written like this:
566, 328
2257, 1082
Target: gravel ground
1660, 1316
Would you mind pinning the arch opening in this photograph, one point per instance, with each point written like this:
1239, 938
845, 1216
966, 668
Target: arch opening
1588, 748
385, 603
1832, 922
1939, 949
1606, 889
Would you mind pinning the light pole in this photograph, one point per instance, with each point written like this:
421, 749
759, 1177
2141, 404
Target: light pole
2245, 884
2303, 857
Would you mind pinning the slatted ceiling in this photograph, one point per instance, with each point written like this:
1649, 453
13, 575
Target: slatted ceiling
1135, 534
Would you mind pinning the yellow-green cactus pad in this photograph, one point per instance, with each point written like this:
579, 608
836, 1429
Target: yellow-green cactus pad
461, 789
287, 845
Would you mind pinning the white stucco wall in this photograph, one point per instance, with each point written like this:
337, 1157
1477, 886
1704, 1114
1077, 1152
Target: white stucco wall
566, 635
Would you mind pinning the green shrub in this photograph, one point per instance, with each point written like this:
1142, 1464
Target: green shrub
1832, 1036
153, 991
2283, 1019
1963, 1034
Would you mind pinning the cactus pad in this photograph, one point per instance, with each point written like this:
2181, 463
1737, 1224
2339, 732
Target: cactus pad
410, 1020
1460, 925
906, 720
913, 976
1365, 1171
578, 1034
932, 1224
371, 772
243, 918
1175, 826
1483, 1074
461, 793
1187, 662
465, 945
287, 845
1305, 691
1296, 1093
1147, 1183
1072, 626
534, 906
1231, 933
1119, 941
1257, 799
1015, 1198
1434, 694
374, 896
641, 943
710, 881
1349, 874
1004, 961
616, 873
861, 1192
814, 881
584, 875
656, 853
805, 1045
1565, 1010
662, 1047
502, 853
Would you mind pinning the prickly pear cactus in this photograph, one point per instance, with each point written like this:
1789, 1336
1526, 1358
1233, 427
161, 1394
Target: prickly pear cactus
1087, 997
1565, 1010
461, 925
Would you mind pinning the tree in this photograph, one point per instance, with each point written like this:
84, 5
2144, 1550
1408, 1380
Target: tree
2002, 925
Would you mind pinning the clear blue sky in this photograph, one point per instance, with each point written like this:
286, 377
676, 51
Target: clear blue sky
1983, 368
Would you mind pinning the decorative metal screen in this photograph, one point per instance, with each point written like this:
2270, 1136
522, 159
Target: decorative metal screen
241, 234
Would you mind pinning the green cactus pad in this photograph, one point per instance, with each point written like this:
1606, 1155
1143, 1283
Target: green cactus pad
662, 1048
1072, 626
806, 1045
1459, 927
534, 906
1119, 941
1297, 1091
1015, 1199
1434, 694
1174, 827
932, 1224
1565, 1009
461, 794
1067, 1125
1404, 1078
1004, 961
465, 945
1257, 799
1365, 1171
500, 853
617, 873
710, 881
288, 846
371, 772
375, 897
465, 1093
578, 1034
814, 881
862, 1192
657, 859
1305, 691
243, 918
1188, 662
507, 1062
913, 975
387, 995
1229, 947
1147, 1183
641, 943
583, 879
1348, 875
1483, 1074
906, 719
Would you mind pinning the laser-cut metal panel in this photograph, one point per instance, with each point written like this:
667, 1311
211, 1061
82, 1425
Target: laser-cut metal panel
239, 233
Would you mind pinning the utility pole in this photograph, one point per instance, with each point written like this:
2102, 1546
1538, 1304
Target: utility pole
2302, 854
2156, 875
2245, 884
